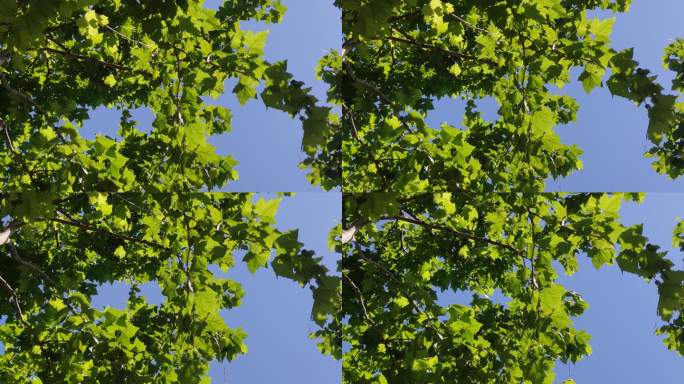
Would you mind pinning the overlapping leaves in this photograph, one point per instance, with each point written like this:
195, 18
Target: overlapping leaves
57, 253
62, 59
404, 55
410, 254
404, 247
665, 111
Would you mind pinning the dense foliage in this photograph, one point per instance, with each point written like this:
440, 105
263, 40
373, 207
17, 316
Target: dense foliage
506, 250
72, 215
56, 253
428, 212
62, 59
431, 212
401, 56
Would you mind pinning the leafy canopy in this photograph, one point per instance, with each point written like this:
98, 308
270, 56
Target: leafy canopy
60, 251
72, 215
401, 56
62, 59
429, 210
411, 253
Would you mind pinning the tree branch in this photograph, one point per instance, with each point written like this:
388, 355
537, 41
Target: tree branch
78, 57
360, 295
467, 235
396, 279
408, 40
28, 99
466, 22
127, 38
366, 84
8, 138
88, 227
18, 258
15, 298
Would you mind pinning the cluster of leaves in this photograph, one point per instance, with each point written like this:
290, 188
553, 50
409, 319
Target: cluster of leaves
666, 113
404, 54
461, 209
59, 252
671, 303
72, 217
408, 250
61, 60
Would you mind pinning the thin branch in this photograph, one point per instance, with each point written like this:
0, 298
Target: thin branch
360, 295
88, 58
467, 235
15, 298
188, 282
127, 38
404, 16
466, 22
355, 132
46, 278
18, 258
408, 40
85, 226
366, 84
8, 138
28, 99
396, 279
533, 250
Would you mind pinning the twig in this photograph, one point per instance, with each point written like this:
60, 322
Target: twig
466, 22
453, 231
533, 278
404, 16
88, 58
128, 38
366, 84
88, 227
46, 277
15, 298
408, 40
394, 277
8, 139
28, 99
360, 295
355, 132
188, 282
15, 255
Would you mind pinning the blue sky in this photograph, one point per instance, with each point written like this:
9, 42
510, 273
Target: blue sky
276, 312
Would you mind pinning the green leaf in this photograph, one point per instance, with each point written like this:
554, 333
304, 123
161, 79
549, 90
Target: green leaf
267, 209
425, 364
110, 80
